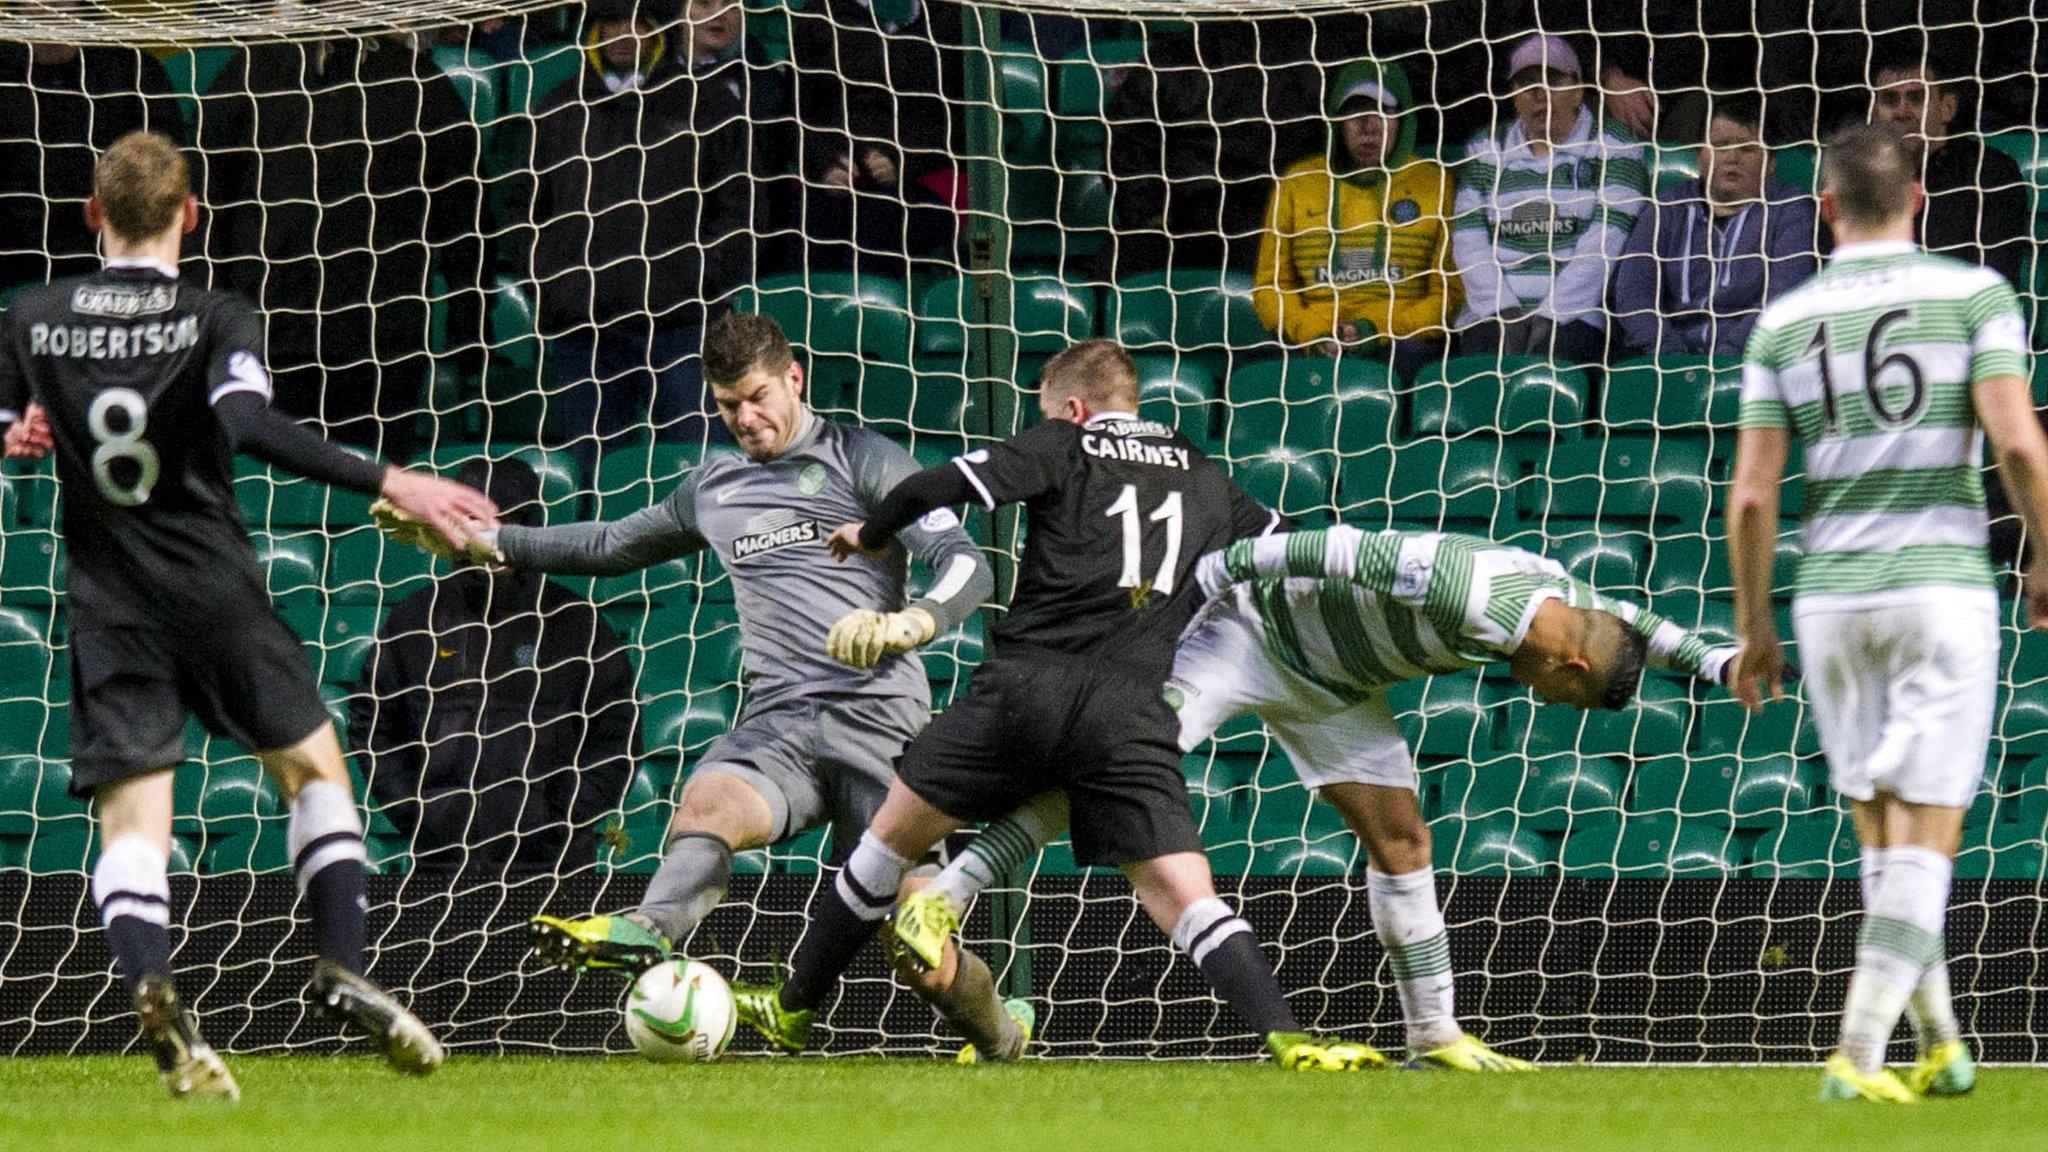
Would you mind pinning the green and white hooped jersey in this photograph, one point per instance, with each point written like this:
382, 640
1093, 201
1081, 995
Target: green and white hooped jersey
1872, 364
1356, 611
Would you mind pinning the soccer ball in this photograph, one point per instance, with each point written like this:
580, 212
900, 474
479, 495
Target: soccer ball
680, 1012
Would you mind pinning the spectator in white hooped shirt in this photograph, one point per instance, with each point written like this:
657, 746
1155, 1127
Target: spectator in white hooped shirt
1544, 204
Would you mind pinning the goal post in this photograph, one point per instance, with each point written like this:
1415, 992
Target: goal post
1670, 883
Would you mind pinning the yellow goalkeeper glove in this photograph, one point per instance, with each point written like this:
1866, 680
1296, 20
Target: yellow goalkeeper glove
862, 637
405, 528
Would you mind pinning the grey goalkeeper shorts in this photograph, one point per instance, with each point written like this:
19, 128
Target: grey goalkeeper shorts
819, 760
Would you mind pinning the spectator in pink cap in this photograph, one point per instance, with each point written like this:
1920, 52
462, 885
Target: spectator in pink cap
1545, 203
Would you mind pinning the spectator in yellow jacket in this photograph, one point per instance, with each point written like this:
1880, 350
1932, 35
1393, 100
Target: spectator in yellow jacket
1357, 252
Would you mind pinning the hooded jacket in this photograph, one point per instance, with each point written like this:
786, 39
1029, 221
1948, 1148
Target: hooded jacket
1366, 246
1684, 286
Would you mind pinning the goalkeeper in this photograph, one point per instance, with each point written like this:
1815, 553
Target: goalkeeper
818, 738
1307, 631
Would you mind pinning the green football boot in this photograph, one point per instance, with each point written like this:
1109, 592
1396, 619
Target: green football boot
1026, 1017
1306, 1052
1844, 1081
619, 943
1947, 1069
760, 1008
923, 922
1469, 1054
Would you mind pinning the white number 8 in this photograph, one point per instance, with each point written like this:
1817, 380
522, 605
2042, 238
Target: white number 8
126, 444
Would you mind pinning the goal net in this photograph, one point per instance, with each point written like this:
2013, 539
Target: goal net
492, 232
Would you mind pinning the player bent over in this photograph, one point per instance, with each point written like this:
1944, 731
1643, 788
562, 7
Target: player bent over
1307, 631
818, 739
1118, 509
1892, 365
146, 387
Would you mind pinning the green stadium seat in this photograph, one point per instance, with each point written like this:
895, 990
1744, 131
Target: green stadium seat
1307, 402
1046, 315
1612, 559
1695, 561
664, 586
27, 660
1445, 715
244, 820
1673, 393
854, 333
1626, 477
191, 72
1084, 212
1672, 165
1080, 134
526, 82
1289, 833
2025, 659
1797, 165
281, 501
561, 484
1297, 483
1559, 791
2022, 724
1651, 844
1181, 394
1746, 793
516, 408
2002, 849
31, 724
635, 476
697, 646
2029, 150
949, 657
32, 494
1470, 484
1491, 846
294, 565
1202, 313
1815, 846
366, 567
475, 79
679, 725
1515, 395
1656, 722
631, 840
338, 637
1783, 729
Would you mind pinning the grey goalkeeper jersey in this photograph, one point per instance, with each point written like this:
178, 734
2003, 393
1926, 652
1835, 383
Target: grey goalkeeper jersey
767, 523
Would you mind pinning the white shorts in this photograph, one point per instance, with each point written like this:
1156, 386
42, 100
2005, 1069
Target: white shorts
1903, 692
1223, 668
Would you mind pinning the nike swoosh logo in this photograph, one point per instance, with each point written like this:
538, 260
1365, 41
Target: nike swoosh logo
684, 1029
726, 494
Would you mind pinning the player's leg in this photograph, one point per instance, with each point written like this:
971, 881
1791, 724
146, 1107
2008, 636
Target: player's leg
127, 731
962, 988
130, 885
752, 788
324, 834
926, 919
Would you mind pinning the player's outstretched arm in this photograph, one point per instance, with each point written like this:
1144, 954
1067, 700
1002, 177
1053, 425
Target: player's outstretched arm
1752, 534
2007, 413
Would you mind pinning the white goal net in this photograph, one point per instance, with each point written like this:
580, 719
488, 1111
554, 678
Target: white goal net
493, 231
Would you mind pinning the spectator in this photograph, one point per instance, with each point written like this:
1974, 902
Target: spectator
495, 716
712, 43
1700, 266
1197, 139
1976, 199
1358, 250
878, 85
342, 177
62, 104
1544, 208
642, 215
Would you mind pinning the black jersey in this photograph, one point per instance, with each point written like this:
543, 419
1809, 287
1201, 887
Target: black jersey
128, 362
1117, 512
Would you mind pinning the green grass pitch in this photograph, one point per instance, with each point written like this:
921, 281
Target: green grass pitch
302, 1104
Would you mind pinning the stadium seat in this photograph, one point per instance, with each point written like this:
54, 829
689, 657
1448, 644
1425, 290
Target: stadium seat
1491, 846
1298, 483
1672, 393
1080, 134
1742, 792
1656, 722
631, 839
281, 501
688, 645
2028, 149
2022, 724
32, 494
1287, 832
1181, 394
1469, 484
294, 566
1814, 845
1612, 559
525, 83
1201, 313
31, 724
678, 725
1695, 561
476, 81
1651, 844
1797, 165
244, 820
1445, 715
1672, 165
191, 72
1559, 791
1046, 314
338, 637
1084, 212
950, 656
666, 585
1515, 395
635, 476
1306, 401
1783, 729
27, 660
854, 332
365, 567
1625, 477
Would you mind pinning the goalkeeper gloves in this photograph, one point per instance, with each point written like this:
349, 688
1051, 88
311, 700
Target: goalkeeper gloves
405, 528
862, 637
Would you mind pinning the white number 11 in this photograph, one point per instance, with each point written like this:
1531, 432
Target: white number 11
1169, 510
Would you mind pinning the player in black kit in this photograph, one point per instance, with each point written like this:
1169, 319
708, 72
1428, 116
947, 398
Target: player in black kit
1118, 511
146, 387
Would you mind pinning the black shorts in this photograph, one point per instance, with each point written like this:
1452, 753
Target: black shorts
242, 674
1027, 724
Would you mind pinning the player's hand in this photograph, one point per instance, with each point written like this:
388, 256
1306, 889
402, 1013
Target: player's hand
405, 528
1759, 661
455, 512
846, 542
2034, 586
29, 438
863, 636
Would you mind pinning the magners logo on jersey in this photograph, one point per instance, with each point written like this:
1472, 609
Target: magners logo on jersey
123, 300
773, 539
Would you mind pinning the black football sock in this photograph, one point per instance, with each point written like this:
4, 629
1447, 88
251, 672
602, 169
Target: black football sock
326, 840
1222, 946
843, 918
133, 892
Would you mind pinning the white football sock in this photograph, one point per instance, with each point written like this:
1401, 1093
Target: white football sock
1899, 942
1410, 926
1004, 845
1931, 1007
